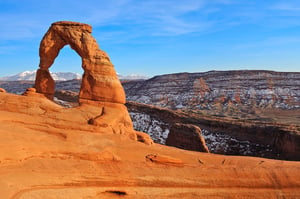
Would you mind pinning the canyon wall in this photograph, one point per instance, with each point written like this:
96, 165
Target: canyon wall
223, 136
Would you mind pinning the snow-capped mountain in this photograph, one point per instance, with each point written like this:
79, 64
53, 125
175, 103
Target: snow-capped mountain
30, 76
62, 76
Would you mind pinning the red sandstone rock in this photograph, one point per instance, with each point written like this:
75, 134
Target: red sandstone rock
100, 85
143, 137
186, 136
2, 90
44, 83
99, 81
200, 87
163, 159
32, 92
115, 117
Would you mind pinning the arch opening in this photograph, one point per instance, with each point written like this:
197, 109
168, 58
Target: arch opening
67, 73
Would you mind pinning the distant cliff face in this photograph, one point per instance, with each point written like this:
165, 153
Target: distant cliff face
210, 90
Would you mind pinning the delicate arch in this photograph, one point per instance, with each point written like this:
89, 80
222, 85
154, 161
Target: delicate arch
99, 81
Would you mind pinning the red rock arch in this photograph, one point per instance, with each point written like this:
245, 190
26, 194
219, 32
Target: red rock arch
99, 81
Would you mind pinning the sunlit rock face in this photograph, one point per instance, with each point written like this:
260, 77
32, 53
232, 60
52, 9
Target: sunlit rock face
100, 86
99, 81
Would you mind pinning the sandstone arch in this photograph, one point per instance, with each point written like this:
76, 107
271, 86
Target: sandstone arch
100, 85
99, 81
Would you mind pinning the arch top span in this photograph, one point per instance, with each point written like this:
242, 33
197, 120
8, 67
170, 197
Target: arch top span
99, 81
82, 26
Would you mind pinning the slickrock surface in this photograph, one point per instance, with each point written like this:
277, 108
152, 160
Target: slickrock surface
92, 151
99, 81
47, 151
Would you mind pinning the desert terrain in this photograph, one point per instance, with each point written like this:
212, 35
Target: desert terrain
48, 151
250, 113
93, 151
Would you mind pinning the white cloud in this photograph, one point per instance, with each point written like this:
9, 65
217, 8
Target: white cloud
128, 19
29, 19
162, 17
286, 6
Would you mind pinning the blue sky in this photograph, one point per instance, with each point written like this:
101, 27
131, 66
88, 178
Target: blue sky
152, 37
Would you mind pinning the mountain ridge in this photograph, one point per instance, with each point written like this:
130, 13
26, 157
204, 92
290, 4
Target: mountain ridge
62, 76
30, 76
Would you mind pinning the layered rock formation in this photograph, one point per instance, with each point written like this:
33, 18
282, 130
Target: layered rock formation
221, 92
99, 81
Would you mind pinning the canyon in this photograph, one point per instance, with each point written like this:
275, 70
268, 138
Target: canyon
240, 112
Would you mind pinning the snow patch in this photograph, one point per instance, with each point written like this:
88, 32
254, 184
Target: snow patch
30, 76
157, 129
